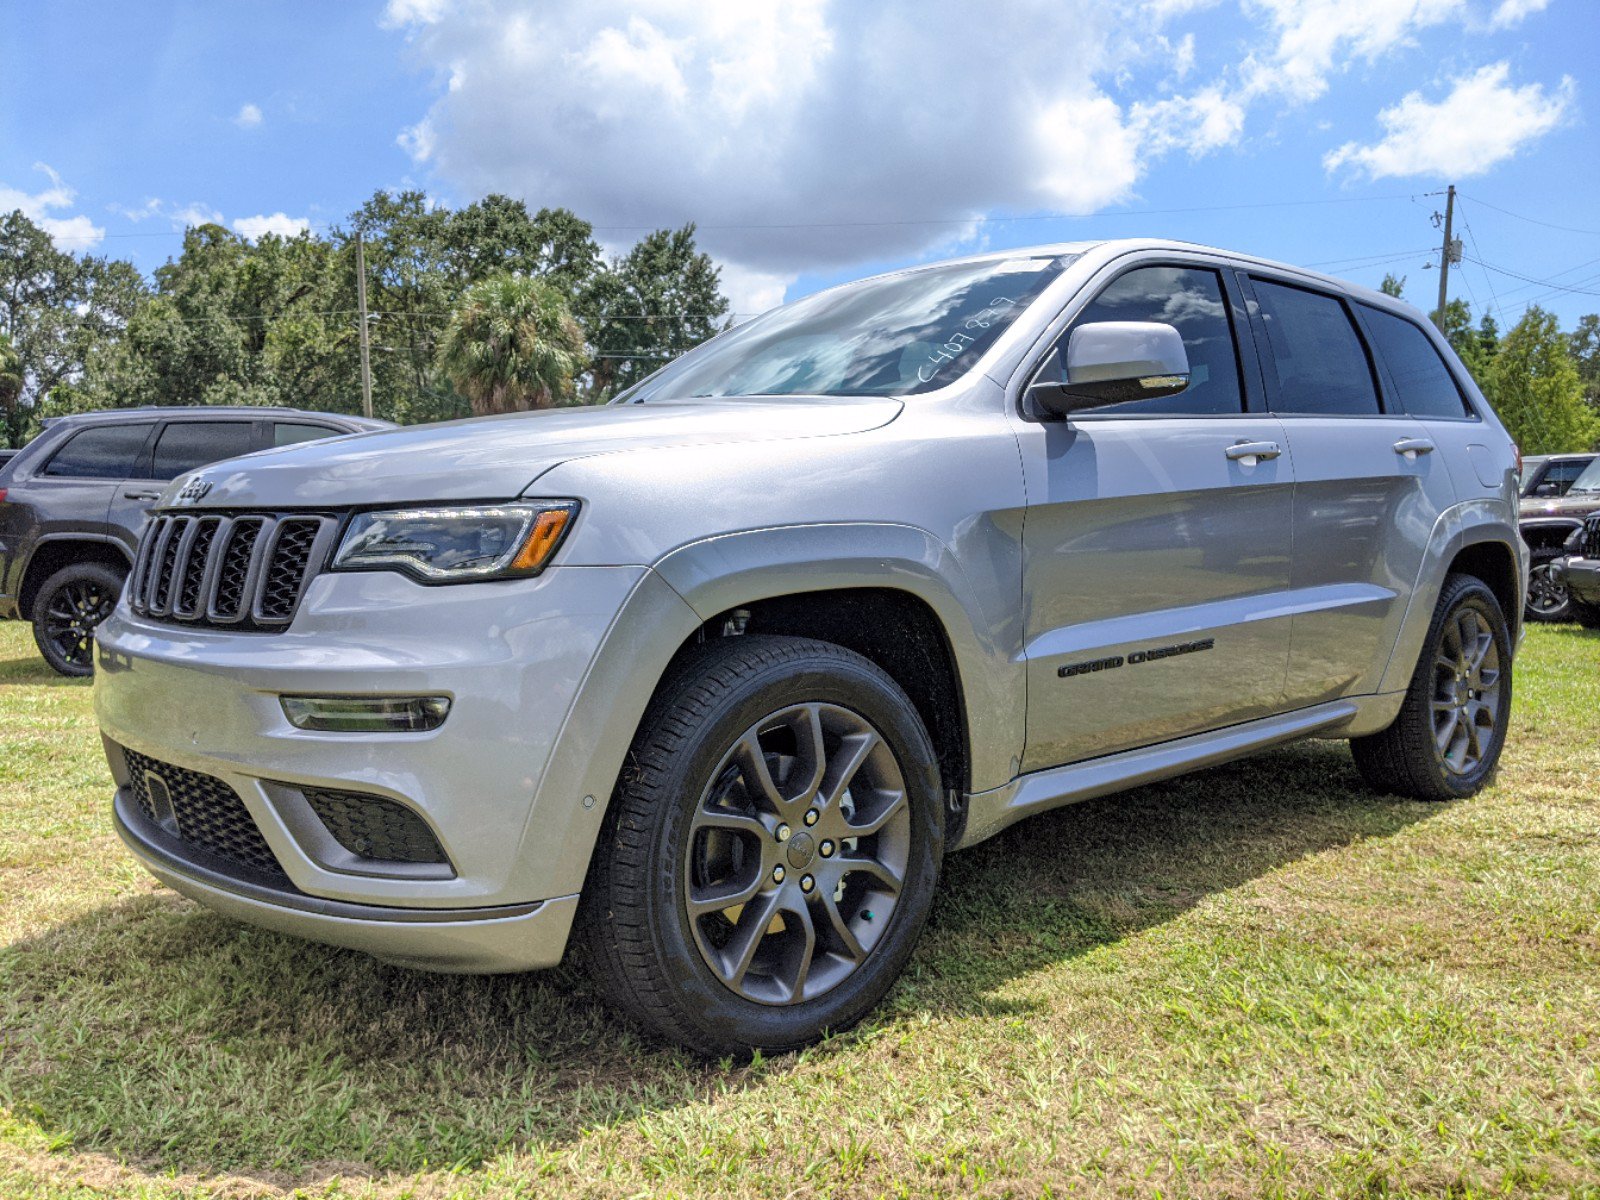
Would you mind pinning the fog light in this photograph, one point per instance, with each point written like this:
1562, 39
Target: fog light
366, 714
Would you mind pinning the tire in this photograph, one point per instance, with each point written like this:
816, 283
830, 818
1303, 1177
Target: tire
69, 606
1426, 754
693, 822
1547, 599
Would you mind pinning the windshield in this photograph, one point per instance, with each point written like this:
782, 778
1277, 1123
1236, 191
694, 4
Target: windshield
895, 336
1589, 481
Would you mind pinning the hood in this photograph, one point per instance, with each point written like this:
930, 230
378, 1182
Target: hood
497, 458
1573, 505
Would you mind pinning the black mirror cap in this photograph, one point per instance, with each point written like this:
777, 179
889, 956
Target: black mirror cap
1059, 400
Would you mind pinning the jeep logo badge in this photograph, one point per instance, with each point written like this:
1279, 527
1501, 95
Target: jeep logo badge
193, 491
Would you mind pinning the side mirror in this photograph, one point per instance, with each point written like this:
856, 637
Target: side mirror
1109, 362
1546, 489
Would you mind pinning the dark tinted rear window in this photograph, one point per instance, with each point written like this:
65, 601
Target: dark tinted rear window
1320, 363
288, 433
185, 445
1419, 374
108, 452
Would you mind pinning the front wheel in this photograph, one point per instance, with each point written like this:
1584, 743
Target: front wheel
1447, 739
66, 612
1548, 599
771, 853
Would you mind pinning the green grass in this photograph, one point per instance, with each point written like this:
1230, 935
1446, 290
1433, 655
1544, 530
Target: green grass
1260, 980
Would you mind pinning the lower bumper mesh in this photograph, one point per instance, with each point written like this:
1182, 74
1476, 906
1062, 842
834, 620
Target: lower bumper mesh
200, 810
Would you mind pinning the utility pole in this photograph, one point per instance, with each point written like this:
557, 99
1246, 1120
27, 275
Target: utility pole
361, 306
1451, 253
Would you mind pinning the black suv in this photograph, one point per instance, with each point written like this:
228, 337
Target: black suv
73, 500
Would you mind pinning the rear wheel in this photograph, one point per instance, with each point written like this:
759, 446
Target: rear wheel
1548, 600
1447, 739
771, 855
68, 608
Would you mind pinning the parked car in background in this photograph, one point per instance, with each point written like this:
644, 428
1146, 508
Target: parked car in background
1578, 571
1547, 476
73, 501
1550, 514
712, 678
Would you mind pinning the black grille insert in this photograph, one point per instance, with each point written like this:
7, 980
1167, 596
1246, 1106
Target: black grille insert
228, 572
201, 811
375, 827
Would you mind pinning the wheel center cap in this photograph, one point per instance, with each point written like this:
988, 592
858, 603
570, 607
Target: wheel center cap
802, 849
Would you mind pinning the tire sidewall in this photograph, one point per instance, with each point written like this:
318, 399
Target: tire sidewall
99, 573
703, 1000
1537, 559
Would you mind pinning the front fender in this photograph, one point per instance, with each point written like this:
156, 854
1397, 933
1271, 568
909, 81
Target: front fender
726, 571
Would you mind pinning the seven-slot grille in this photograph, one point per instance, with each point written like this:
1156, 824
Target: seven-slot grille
200, 810
1591, 537
227, 572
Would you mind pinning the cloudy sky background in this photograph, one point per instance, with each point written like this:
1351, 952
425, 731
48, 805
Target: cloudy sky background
816, 141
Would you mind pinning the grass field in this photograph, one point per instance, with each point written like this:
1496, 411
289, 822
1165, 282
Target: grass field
1258, 980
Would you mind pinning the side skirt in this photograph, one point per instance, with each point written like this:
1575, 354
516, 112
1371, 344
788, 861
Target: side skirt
1039, 791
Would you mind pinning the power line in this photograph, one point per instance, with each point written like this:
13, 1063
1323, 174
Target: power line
1530, 279
1535, 220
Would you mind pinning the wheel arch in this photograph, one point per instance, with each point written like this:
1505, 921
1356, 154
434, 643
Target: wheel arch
53, 553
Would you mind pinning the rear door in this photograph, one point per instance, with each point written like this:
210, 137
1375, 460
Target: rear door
180, 445
1368, 487
1156, 549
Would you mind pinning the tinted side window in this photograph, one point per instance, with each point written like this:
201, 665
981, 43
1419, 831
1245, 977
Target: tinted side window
1424, 382
1190, 300
287, 433
109, 452
1563, 475
185, 445
1317, 354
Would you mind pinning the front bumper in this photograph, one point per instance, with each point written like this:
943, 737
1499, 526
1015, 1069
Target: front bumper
508, 785
1581, 577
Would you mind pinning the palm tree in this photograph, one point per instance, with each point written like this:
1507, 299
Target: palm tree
512, 345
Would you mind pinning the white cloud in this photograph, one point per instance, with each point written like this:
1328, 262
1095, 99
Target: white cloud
280, 224
179, 216
802, 134
751, 293
1317, 37
1483, 121
248, 117
1510, 12
72, 233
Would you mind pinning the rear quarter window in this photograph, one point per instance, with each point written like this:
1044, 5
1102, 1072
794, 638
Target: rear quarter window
1425, 384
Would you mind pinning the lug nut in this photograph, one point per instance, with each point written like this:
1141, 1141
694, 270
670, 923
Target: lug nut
781, 833
811, 817
777, 873
827, 849
807, 883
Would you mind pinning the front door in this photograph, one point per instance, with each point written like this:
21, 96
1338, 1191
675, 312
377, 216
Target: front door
1157, 543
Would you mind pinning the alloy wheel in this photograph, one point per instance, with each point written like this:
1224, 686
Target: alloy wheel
797, 854
1545, 595
71, 616
1467, 691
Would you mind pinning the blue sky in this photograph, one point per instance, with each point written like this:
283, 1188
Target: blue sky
816, 141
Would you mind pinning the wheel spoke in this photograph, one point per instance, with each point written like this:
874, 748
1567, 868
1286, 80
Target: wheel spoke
1445, 735
841, 929
885, 879
878, 820
1474, 750
748, 934
757, 774
854, 751
812, 756
716, 899
808, 948
733, 822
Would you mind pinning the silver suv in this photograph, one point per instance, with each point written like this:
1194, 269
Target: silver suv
708, 681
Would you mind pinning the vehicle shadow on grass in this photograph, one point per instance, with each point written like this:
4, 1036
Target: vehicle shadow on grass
34, 672
180, 1041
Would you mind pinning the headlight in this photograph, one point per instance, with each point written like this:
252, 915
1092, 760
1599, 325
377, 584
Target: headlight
457, 545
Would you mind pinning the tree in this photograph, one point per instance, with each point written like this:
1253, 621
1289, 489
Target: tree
1585, 347
10, 377
1392, 286
512, 345
1534, 386
662, 298
56, 312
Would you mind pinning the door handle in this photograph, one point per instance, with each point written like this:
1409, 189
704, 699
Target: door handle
140, 495
1254, 451
1411, 447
